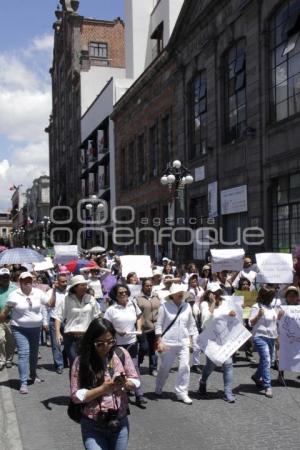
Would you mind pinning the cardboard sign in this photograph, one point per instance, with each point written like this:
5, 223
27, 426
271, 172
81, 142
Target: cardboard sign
65, 253
140, 264
250, 297
228, 259
223, 338
275, 267
289, 335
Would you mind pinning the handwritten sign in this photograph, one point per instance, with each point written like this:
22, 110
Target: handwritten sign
140, 264
229, 259
289, 334
275, 267
223, 338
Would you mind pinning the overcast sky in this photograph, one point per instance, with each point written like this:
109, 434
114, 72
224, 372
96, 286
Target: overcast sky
26, 43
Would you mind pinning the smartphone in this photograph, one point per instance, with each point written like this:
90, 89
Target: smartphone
119, 378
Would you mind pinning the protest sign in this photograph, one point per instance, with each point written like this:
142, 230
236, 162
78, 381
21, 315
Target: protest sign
289, 334
275, 267
140, 264
235, 303
229, 259
45, 265
65, 253
223, 338
135, 290
250, 298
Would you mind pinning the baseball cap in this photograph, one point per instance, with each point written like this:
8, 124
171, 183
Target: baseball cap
25, 275
4, 272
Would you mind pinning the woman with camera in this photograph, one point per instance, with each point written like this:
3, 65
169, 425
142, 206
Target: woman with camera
100, 378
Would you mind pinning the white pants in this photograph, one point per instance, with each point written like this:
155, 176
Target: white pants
196, 351
165, 364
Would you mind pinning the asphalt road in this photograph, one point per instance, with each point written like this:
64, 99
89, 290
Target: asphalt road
253, 422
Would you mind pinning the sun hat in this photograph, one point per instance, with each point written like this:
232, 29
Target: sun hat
206, 267
156, 273
25, 275
214, 287
291, 289
78, 279
4, 272
176, 289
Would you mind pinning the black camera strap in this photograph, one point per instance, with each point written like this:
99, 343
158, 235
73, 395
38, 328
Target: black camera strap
173, 321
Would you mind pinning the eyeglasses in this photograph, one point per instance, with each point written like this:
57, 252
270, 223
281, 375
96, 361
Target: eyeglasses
28, 300
122, 293
103, 343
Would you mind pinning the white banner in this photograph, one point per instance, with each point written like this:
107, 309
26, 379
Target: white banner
228, 259
289, 335
223, 338
140, 264
234, 200
212, 199
275, 267
65, 253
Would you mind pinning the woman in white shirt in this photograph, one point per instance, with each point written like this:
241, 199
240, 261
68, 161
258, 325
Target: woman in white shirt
263, 320
212, 308
76, 311
25, 307
174, 329
126, 317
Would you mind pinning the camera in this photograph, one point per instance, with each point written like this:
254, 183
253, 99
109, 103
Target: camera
119, 378
112, 421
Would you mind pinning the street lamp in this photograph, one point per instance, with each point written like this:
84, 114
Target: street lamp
176, 176
94, 210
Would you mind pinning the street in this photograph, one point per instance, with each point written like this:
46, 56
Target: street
252, 422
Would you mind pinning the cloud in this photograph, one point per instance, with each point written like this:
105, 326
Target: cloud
25, 105
41, 43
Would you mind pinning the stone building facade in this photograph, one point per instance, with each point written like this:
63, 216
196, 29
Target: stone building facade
86, 54
235, 89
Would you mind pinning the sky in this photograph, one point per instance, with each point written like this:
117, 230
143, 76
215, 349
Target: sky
26, 44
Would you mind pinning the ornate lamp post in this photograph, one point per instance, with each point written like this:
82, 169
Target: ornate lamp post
176, 176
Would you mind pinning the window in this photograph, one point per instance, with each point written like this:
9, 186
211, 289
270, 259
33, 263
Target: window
158, 40
123, 168
198, 115
98, 50
285, 61
235, 92
166, 140
286, 213
153, 150
141, 159
199, 213
131, 164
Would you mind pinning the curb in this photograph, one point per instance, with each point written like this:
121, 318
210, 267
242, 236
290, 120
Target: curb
10, 438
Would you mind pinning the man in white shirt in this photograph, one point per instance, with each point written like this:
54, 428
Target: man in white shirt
247, 272
58, 293
174, 329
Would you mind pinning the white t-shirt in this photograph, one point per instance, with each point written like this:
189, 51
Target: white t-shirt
267, 325
207, 317
96, 286
124, 320
77, 314
59, 298
27, 313
184, 327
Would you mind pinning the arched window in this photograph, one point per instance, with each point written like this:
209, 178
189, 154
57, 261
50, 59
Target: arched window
235, 91
285, 61
198, 115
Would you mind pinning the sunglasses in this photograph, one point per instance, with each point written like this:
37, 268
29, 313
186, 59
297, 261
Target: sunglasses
103, 343
122, 293
28, 300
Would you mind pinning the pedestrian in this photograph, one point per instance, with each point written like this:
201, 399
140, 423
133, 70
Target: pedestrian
174, 330
24, 305
125, 316
149, 305
100, 378
263, 320
212, 308
7, 342
57, 293
76, 311
132, 278
196, 295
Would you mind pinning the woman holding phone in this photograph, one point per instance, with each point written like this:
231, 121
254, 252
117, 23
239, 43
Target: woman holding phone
100, 378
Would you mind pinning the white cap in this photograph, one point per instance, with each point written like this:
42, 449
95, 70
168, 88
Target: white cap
4, 271
214, 287
25, 275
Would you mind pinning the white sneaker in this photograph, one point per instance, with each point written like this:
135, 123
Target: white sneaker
185, 399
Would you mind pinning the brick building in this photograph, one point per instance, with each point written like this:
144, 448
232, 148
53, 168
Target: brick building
233, 69
87, 53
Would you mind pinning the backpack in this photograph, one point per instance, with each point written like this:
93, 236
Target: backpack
75, 410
